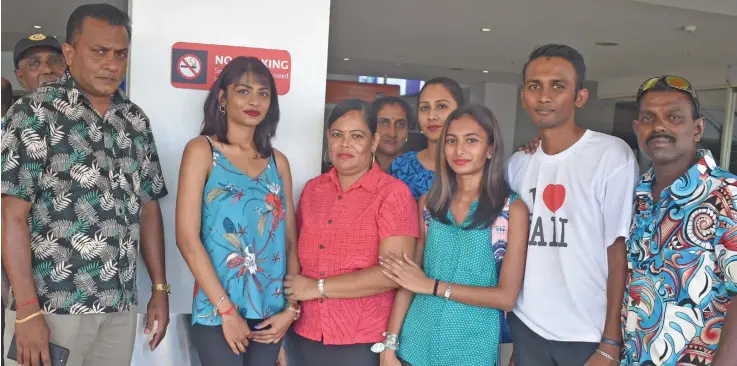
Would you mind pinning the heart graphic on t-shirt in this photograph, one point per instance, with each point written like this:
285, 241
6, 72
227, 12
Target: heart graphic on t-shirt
553, 196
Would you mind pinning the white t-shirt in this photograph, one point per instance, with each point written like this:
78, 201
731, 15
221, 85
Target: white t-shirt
580, 202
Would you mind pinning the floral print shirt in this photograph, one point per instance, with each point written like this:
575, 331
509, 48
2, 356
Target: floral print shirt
243, 230
87, 178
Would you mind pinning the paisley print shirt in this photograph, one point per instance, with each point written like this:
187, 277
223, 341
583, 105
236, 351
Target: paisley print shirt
683, 267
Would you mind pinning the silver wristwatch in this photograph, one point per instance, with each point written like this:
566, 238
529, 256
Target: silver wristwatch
391, 342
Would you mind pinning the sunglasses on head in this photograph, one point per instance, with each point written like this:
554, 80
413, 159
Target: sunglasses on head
674, 82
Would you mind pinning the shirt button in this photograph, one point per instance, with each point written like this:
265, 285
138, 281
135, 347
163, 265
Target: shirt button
322, 274
322, 246
330, 221
340, 197
322, 301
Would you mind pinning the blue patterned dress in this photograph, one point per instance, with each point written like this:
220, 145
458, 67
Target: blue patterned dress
409, 169
243, 230
439, 332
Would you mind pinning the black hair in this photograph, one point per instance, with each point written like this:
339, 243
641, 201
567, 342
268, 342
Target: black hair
216, 121
105, 12
661, 86
567, 53
349, 105
494, 187
378, 104
453, 87
7, 95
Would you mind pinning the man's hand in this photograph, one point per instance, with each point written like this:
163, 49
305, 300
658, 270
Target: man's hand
158, 311
32, 340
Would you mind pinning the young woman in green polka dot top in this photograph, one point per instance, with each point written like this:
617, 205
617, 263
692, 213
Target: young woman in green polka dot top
453, 293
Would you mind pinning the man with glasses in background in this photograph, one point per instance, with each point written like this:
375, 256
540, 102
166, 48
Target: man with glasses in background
682, 249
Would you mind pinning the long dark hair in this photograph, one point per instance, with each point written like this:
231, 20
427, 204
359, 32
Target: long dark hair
453, 87
494, 188
216, 122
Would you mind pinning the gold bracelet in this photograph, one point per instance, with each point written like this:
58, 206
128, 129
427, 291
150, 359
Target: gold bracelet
606, 355
296, 309
40, 312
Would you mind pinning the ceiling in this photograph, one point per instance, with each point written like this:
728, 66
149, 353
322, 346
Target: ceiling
426, 38
19, 16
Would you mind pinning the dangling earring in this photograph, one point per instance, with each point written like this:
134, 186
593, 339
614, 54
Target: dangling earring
373, 160
488, 156
406, 139
326, 159
222, 108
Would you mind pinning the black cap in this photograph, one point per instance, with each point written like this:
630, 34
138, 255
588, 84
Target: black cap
32, 41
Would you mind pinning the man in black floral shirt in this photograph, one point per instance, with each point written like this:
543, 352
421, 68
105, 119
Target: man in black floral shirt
80, 184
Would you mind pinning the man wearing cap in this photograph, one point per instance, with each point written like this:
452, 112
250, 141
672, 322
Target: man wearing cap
682, 247
38, 61
80, 182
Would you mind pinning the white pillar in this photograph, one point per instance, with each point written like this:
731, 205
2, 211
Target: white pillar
728, 128
298, 27
501, 99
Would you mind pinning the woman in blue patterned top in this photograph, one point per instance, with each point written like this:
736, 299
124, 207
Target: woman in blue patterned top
472, 220
236, 223
437, 99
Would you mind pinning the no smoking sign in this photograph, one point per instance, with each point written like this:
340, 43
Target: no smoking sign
189, 67
198, 65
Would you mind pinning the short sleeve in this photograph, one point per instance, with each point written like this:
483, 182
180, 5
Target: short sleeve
398, 214
616, 203
726, 244
152, 180
24, 151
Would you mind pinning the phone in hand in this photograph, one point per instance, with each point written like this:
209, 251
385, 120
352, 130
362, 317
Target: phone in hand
59, 354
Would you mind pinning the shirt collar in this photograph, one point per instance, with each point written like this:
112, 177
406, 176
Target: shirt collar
698, 173
68, 82
368, 181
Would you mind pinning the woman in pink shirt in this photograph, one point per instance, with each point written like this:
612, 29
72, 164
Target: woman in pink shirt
346, 218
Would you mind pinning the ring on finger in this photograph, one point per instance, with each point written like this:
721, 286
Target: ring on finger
286, 292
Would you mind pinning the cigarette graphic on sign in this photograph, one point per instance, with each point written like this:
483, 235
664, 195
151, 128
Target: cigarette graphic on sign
197, 65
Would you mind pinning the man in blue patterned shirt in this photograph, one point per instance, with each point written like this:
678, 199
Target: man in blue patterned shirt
683, 242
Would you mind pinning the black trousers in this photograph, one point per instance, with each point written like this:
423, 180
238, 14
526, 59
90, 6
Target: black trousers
306, 352
215, 351
532, 350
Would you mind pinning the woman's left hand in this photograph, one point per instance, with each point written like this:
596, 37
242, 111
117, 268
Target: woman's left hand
300, 288
280, 323
406, 273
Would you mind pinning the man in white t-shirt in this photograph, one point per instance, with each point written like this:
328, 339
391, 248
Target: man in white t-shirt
579, 187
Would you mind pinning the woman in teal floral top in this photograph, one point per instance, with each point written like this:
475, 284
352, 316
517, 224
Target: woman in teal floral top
236, 221
472, 220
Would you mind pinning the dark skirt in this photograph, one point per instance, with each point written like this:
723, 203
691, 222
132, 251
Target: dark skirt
306, 352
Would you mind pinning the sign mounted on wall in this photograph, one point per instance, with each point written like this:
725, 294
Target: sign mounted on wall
335, 91
197, 65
